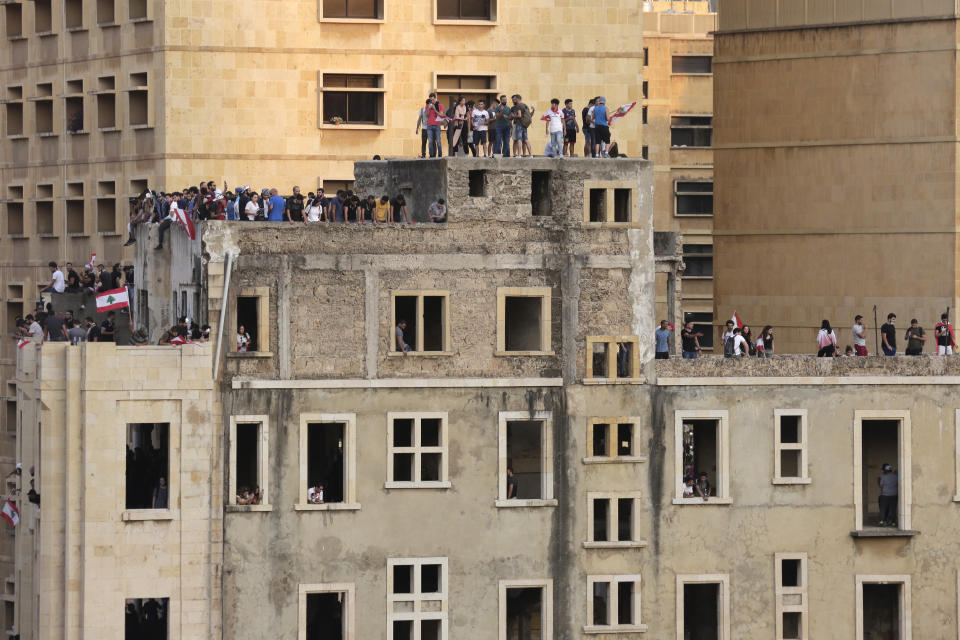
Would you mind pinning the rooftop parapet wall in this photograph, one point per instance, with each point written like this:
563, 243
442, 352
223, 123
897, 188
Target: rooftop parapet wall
809, 367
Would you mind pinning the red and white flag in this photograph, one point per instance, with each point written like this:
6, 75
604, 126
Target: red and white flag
93, 258
184, 219
22, 342
113, 299
622, 111
736, 320
179, 340
10, 513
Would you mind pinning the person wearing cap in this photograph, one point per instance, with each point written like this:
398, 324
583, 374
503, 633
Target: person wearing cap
601, 131
889, 492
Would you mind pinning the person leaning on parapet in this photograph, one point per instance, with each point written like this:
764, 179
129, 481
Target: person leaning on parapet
662, 336
437, 211
889, 493
859, 336
915, 338
399, 206
889, 332
690, 341
943, 331
401, 345
703, 488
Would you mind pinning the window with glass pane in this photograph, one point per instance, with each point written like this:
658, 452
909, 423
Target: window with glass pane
694, 198
354, 99
475, 88
358, 9
466, 9
691, 131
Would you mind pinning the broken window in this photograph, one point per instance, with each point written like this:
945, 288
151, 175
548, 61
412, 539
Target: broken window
702, 457
523, 324
790, 448
598, 205
326, 468
691, 131
791, 595
248, 454
613, 604
424, 317
466, 10
526, 611
146, 618
416, 598
693, 198
881, 474
884, 607
692, 64
540, 201
612, 440
526, 460
610, 358
417, 450
478, 183
352, 99
612, 519
354, 9
148, 466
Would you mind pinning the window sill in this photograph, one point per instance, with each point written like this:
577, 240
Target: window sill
140, 20
420, 354
352, 20
141, 127
955, 498
631, 628
78, 133
417, 485
45, 34
692, 215
136, 515
791, 481
76, 29
690, 73
630, 544
20, 236
328, 506
47, 134
617, 460
686, 147
107, 129
18, 136
250, 354
611, 225
108, 25
884, 532
247, 508
701, 501
465, 23
524, 353
108, 234
353, 127
696, 277
16, 37
78, 235
613, 381
517, 502
46, 235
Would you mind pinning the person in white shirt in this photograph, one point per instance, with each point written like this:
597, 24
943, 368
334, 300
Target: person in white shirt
859, 337
57, 282
243, 339
315, 494
34, 328
252, 208
480, 119
740, 346
555, 129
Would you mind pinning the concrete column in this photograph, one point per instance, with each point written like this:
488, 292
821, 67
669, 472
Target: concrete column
283, 318
371, 292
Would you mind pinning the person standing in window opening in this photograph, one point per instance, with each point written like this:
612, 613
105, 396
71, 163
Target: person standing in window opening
662, 335
703, 488
160, 494
401, 345
690, 342
478, 126
315, 494
513, 485
623, 359
915, 338
399, 205
859, 336
570, 129
943, 330
889, 494
889, 332
243, 339
587, 128
826, 341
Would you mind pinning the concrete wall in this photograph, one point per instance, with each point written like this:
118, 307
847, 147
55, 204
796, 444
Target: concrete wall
763, 14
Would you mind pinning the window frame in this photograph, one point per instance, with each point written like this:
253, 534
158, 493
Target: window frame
691, 126
144, 88
546, 453
722, 482
349, 462
802, 447
418, 449
101, 94
546, 335
9, 102
546, 585
904, 465
416, 597
610, 186
635, 542
263, 457
493, 20
442, 93
324, 123
262, 294
801, 591
418, 340
612, 342
677, 193
613, 457
674, 72
144, 415
906, 623
379, 19
723, 607
615, 579
349, 613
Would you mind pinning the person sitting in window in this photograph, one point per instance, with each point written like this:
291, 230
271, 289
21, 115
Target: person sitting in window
688, 490
703, 488
438, 211
243, 339
315, 494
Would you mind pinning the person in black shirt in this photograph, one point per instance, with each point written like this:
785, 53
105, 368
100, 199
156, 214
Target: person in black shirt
368, 208
351, 210
690, 341
513, 485
889, 332
587, 131
399, 205
294, 208
108, 328
93, 331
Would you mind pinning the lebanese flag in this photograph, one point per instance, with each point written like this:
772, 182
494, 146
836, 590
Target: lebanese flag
93, 258
10, 513
184, 219
622, 111
22, 342
736, 320
113, 299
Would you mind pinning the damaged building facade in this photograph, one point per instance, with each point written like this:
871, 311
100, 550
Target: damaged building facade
519, 472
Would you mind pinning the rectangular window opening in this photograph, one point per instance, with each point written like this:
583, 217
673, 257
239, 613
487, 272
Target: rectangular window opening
880, 446
692, 64
790, 575
525, 459
44, 218
691, 131
625, 603
430, 578
356, 9
106, 13
44, 116
73, 10
601, 604
645, 89
466, 9
361, 105
624, 439
601, 515
701, 455
73, 114
14, 19
625, 519
524, 613
137, 9
247, 463
693, 198
792, 625
139, 108
643, 115
626, 354
147, 466
601, 435
405, 312
427, 311
326, 616
600, 355
433, 316
701, 611
540, 200
248, 319
598, 205
478, 183
11, 414
146, 618
881, 611
646, 57
326, 477
75, 217
106, 111
15, 218
522, 323
106, 215
622, 205
645, 152
42, 16
14, 117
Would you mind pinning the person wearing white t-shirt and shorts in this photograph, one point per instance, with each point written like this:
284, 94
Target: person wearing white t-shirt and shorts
479, 119
555, 128
57, 282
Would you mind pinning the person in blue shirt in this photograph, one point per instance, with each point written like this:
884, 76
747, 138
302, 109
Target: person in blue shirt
663, 335
601, 132
277, 204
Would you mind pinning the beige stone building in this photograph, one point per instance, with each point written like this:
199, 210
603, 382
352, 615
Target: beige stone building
836, 170
678, 114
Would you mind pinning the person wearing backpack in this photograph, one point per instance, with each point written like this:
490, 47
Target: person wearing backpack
522, 116
826, 341
736, 345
